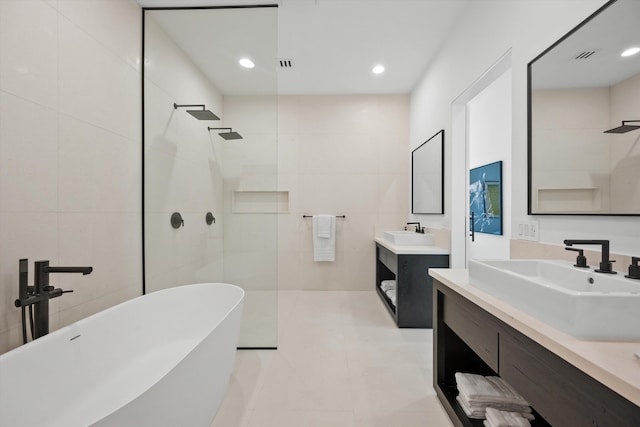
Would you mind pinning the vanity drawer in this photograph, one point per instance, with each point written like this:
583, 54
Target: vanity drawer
474, 326
562, 394
389, 259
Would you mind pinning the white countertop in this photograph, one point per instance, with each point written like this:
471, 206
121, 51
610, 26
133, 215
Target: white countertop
412, 250
613, 363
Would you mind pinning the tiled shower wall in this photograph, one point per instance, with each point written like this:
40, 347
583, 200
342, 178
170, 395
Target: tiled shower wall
182, 167
70, 152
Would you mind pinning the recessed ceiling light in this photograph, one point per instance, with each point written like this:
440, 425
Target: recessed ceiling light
247, 63
630, 51
378, 69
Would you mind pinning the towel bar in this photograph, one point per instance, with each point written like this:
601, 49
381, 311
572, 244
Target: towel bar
311, 216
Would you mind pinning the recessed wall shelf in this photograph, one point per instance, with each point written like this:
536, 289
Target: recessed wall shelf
260, 201
584, 199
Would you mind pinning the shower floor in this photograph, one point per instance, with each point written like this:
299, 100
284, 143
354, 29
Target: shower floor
341, 362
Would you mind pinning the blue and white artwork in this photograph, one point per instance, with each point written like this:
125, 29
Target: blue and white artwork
485, 198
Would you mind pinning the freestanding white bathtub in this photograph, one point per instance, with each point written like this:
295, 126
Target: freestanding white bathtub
163, 359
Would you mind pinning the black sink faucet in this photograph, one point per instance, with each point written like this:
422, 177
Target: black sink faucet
418, 227
41, 292
605, 262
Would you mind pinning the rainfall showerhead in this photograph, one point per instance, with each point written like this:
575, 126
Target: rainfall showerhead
227, 135
199, 114
625, 127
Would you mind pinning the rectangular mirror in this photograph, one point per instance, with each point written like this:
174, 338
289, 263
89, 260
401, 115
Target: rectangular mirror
485, 198
584, 118
427, 176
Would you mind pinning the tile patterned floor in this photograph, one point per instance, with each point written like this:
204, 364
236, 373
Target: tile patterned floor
341, 362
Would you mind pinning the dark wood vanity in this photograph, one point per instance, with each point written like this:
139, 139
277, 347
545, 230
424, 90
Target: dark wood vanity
413, 307
467, 338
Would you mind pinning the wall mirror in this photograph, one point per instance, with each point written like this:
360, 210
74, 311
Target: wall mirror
584, 118
427, 176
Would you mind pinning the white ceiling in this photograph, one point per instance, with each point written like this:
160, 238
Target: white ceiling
333, 44
608, 34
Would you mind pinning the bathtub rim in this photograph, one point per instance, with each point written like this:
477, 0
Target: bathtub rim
15, 352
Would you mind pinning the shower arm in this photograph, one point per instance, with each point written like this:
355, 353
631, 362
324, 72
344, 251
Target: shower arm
176, 106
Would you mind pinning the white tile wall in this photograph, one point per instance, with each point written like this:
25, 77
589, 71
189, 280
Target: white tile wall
339, 155
182, 169
95, 84
28, 156
95, 173
29, 51
100, 17
70, 160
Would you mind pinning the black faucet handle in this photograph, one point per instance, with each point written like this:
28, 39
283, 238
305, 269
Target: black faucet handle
581, 260
54, 293
634, 269
606, 267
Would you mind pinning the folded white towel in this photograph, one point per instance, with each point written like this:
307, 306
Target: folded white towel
496, 402
387, 285
480, 412
471, 412
324, 248
498, 418
483, 390
391, 293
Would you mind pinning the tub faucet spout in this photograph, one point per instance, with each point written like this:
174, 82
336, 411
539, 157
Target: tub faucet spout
45, 292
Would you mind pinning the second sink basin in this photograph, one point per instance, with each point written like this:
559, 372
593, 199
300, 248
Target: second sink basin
576, 301
408, 238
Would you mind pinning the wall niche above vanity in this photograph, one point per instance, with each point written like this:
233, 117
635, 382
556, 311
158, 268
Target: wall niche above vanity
578, 89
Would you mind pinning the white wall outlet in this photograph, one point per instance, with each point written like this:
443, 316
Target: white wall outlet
528, 230
533, 230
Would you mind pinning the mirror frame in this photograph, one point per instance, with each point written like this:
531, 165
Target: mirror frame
529, 124
432, 139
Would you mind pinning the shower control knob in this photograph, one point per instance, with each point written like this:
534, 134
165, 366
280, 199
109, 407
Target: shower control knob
209, 218
176, 220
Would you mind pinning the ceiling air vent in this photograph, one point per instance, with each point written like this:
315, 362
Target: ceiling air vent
585, 54
285, 63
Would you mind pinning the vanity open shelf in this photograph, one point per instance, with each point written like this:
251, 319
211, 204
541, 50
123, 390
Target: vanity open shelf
409, 269
467, 338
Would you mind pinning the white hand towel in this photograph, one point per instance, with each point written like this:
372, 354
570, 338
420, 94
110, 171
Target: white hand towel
324, 248
325, 224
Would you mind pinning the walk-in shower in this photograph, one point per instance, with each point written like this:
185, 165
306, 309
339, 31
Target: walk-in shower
192, 54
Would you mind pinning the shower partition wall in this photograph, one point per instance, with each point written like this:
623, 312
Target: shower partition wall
191, 58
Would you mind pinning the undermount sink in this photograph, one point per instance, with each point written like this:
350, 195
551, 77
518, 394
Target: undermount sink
574, 300
408, 238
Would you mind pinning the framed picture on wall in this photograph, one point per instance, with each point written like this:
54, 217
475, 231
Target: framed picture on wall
485, 198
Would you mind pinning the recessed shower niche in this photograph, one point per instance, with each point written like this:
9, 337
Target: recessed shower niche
191, 59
